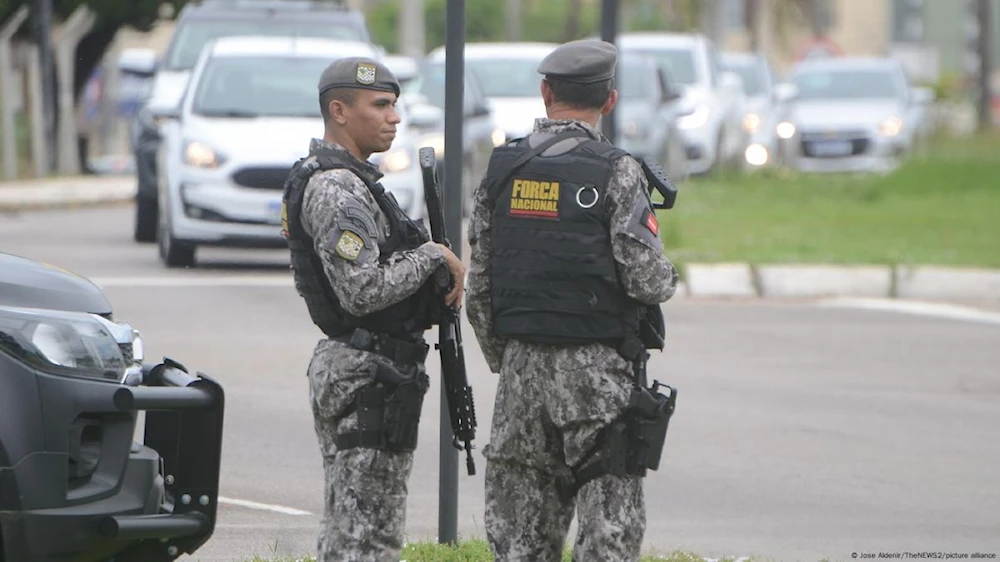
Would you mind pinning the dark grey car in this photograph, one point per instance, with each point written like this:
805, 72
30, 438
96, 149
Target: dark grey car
73, 483
479, 131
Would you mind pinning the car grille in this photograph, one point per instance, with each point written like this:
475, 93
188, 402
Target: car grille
814, 143
262, 178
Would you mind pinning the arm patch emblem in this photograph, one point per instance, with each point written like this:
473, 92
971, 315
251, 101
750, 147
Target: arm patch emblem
349, 246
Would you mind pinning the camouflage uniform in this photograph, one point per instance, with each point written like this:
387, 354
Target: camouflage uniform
366, 489
553, 400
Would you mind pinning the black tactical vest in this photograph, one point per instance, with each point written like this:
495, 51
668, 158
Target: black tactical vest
413, 314
553, 275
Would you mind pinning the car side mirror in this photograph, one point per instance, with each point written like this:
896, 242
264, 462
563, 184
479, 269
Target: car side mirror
479, 110
785, 92
670, 94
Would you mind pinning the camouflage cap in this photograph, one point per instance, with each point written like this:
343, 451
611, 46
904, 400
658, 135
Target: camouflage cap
358, 72
584, 62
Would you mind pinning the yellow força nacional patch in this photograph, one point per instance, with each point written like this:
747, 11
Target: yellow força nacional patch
534, 199
366, 73
349, 246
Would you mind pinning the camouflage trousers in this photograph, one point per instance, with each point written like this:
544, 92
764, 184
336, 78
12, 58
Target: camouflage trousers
365, 489
551, 404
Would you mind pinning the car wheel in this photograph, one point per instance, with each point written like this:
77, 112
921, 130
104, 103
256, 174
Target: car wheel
174, 253
146, 219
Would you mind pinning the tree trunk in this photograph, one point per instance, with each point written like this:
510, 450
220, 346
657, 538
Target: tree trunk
573, 20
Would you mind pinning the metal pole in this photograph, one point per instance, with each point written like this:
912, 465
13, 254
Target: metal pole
609, 33
454, 93
43, 37
986, 24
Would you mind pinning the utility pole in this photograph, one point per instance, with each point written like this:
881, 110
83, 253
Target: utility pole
43, 37
985, 16
609, 33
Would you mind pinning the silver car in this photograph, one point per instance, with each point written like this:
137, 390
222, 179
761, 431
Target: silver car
762, 109
851, 115
246, 117
649, 105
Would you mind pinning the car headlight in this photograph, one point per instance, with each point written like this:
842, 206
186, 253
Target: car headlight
756, 155
890, 127
397, 160
695, 119
785, 130
435, 141
751, 122
200, 155
498, 136
67, 343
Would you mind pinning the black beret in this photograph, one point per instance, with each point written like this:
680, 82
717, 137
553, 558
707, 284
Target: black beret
584, 61
358, 72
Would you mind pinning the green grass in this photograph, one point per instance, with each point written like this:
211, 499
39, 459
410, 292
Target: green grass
941, 207
476, 550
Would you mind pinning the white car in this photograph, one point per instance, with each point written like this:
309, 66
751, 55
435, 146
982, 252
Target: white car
247, 116
851, 115
508, 74
714, 97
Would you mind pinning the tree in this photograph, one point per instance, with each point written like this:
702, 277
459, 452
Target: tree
111, 15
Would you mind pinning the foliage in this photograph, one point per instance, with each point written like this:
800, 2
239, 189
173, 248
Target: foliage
939, 208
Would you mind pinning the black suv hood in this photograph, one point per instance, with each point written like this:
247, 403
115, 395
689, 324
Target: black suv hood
31, 284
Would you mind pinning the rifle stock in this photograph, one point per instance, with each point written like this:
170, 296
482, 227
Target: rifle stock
461, 405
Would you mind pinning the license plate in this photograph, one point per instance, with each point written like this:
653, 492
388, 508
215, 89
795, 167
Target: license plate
831, 148
274, 212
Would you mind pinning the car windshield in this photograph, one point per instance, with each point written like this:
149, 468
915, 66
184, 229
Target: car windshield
678, 63
753, 81
429, 82
193, 36
636, 81
259, 87
846, 84
507, 77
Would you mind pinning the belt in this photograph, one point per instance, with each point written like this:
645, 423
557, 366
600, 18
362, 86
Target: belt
398, 351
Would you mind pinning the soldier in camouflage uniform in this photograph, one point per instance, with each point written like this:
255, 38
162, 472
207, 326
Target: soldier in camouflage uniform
559, 250
364, 270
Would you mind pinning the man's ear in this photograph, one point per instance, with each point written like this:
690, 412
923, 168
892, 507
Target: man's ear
338, 111
547, 95
610, 103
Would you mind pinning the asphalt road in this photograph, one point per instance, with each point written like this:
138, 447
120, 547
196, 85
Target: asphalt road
802, 432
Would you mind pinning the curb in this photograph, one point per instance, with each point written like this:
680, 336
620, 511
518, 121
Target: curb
743, 280
713, 280
61, 193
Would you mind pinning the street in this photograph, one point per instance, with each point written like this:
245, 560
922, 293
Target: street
802, 432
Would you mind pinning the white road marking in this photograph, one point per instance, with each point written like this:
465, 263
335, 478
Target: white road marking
939, 310
262, 506
196, 281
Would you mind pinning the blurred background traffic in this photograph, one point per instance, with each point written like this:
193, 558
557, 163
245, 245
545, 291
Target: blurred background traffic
207, 103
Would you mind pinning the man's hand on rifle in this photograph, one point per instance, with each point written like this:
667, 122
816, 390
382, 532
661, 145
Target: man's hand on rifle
457, 270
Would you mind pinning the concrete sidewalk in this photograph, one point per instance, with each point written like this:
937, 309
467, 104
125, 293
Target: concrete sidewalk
720, 280
65, 192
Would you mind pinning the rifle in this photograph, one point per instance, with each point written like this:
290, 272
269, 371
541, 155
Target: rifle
461, 405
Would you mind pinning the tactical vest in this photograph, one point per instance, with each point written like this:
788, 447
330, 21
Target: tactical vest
413, 314
553, 277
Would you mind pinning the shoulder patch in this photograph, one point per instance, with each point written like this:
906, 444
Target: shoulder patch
349, 245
